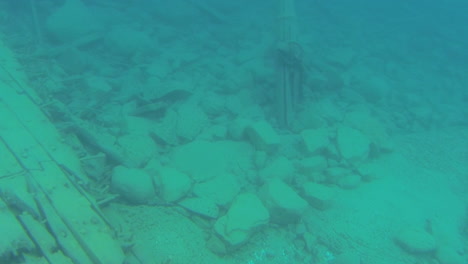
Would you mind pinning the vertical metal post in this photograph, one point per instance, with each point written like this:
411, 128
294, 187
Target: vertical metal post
37, 27
289, 68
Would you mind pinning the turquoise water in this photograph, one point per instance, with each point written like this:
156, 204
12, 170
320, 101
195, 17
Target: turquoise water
267, 132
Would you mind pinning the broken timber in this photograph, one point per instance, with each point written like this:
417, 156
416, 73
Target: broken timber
47, 215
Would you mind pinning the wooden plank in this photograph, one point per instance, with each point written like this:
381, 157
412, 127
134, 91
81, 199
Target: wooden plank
30, 137
32, 133
11, 73
14, 191
78, 215
19, 140
74, 209
13, 237
65, 238
33, 259
8, 165
44, 240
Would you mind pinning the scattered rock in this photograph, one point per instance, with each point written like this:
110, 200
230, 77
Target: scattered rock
74, 61
334, 174
416, 240
307, 118
205, 160
173, 183
191, 121
341, 57
263, 136
216, 245
315, 140
137, 149
135, 185
318, 195
260, 159
95, 166
213, 105
97, 85
352, 144
237, 128
349, 181
374, 89
328, 110
165, 131
280, 168
448, 255
369, 171
315, 164
245, 216
221, 190
127, 41
214, 133
333, 80
201, 206
169, 91
362, 120
347, 258
284, 204
71, 21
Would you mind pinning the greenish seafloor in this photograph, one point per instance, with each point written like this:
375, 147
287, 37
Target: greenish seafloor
175, 124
